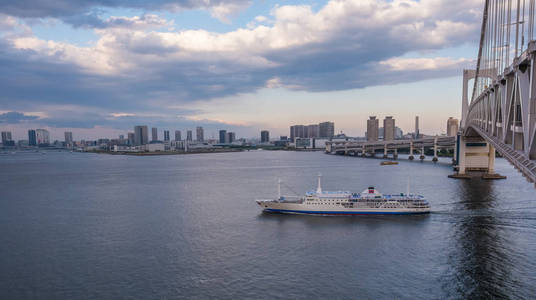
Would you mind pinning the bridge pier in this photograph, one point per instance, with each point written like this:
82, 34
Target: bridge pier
475, 157
435, 159
411, 151
422, 154
395, 154
385, 151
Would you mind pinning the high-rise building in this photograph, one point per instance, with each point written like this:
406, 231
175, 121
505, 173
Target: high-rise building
42, 137
416, 134
223, 136
231, 137
388, 128
68, 138
189, 136
141, 135
312, 131
32, 138
326, 130
154, 134
166, 135
297, 131
452, 126
265, 136
372, 128
178, 135
6, 138
131, 138
199, 134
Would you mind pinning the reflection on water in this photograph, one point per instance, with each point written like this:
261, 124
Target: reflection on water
480, 259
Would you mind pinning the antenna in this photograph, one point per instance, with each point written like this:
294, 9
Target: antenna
407, 190
319, 188
278, 188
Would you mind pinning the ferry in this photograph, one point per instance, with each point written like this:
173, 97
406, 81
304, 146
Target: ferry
368, 202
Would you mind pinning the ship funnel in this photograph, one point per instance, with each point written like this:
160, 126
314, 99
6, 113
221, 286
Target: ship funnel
319, 188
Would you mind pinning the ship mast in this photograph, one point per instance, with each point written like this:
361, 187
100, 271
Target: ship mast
319, 188
278, 188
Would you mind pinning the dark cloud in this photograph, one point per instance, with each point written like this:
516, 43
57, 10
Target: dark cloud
13, 117
65, 8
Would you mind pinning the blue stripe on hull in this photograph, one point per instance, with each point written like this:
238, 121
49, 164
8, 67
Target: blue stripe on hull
310, 212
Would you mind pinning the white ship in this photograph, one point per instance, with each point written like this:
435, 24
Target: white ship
370, 201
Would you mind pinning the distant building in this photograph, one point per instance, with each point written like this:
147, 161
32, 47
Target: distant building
399, 134
223, 136
131, 138
265, 136
189, 136
32, 138
303, 143
417, 134
141, 135
42, 137
154, 134
372, 128
283, 138
166, 135
177, 135
68, 138
326, 130
6, 137
231, 137
154, 147
312, 131
452, 126
388, 128
199, 134
297, 131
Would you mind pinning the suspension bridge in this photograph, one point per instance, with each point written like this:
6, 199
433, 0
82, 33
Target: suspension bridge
500, 114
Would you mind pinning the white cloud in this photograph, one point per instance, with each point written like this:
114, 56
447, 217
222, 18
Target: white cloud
421, 64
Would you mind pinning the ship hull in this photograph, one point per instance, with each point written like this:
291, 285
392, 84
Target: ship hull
343, 213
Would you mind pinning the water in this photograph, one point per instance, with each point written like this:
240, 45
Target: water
75, 225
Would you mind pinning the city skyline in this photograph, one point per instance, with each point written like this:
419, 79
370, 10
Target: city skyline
156, 132
244, 65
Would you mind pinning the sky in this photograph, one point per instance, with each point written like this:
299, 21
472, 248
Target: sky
99, 67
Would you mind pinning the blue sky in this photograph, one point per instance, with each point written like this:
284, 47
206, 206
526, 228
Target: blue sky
98, 68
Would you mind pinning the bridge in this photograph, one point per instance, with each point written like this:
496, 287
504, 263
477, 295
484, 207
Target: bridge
501, 114
356, 148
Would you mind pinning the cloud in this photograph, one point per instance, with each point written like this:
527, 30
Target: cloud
78, 11
13, 117
421, 64
133, 67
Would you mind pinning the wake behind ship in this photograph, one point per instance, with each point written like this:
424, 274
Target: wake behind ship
370, 201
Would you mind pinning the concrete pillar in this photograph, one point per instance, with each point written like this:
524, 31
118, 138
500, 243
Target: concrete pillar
461, 155
395, 154
422, 153
454, 161
435, 150
491, 159
385, 151
411, 150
